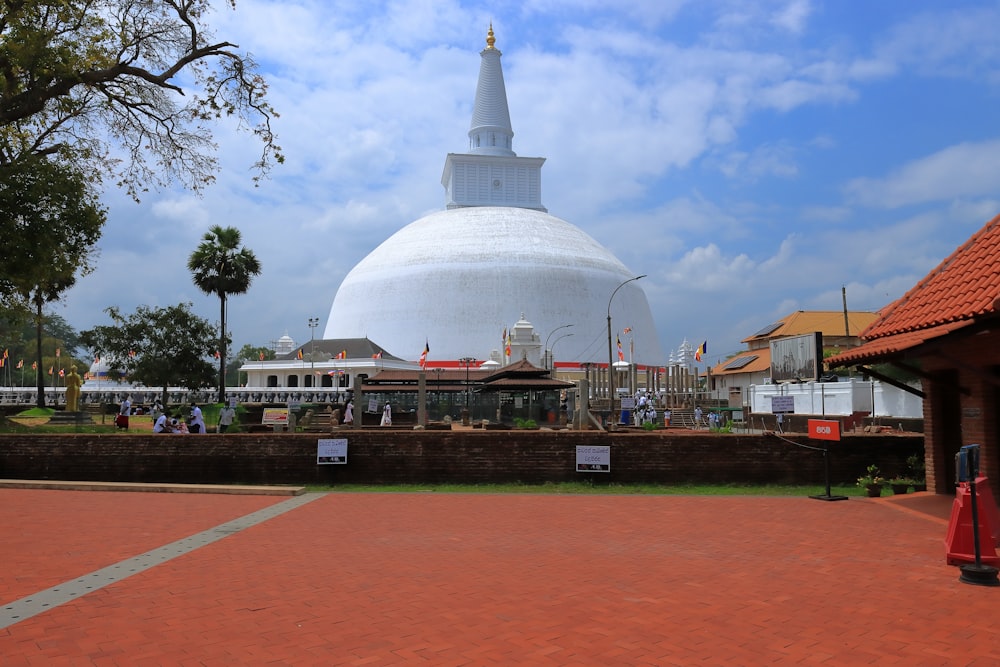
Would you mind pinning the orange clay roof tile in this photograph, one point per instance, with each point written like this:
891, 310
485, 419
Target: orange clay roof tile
964, 286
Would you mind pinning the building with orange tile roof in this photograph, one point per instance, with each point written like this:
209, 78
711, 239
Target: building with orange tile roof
840, 331
946, 329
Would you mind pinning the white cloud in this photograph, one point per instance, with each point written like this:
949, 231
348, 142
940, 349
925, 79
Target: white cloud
962, 170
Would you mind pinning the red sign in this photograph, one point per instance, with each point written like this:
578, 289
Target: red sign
824, 429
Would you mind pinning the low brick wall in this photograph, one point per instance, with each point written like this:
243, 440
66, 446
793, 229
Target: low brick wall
399, 456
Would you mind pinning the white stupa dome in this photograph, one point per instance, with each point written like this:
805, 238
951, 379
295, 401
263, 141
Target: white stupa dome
457, 279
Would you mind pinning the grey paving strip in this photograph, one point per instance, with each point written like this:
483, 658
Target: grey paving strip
42, 601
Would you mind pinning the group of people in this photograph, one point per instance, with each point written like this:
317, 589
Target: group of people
195, 423
645, 408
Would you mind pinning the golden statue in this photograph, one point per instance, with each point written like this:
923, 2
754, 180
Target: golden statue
73, 383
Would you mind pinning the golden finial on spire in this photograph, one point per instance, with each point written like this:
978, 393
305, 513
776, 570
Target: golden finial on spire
490, 39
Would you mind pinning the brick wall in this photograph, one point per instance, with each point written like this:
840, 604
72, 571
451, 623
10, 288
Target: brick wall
399, 456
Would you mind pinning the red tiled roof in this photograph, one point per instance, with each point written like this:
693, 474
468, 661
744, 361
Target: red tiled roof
960, 290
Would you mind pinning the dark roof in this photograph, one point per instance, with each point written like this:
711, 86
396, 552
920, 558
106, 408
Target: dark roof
356, 348
963, 289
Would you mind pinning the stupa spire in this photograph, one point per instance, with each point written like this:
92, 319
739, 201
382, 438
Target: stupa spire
490, 173
491, 132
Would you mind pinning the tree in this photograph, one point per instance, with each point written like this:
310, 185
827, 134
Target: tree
80, 76
220, 266
247, 353
54, 218
159, 347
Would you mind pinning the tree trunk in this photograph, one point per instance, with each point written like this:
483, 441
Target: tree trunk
222, 349
39, 377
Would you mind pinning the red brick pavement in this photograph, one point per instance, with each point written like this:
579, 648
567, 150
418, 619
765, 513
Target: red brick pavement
436, 579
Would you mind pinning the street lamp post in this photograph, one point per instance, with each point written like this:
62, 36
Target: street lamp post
545, 349
468, 361
554, 347
313, 323
611, 361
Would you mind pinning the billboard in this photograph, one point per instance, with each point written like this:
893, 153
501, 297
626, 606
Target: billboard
797, 358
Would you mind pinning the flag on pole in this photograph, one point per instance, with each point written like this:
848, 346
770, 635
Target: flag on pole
62, 372
50, 370
34, 365
702, 349
131, 354
217, 354
299, 353
627, 330
341, 355
5, 352
423, 356
57, 352
20, 363
3, 361
506, 348
377, 355
262, 356
621, 355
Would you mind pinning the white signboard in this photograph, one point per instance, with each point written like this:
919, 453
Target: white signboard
331, 451
593, 458
782, 404
372, 404
628, 403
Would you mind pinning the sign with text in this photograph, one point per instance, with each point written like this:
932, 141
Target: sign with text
275, 416
824, 429
331, 451
595, 458
783, 405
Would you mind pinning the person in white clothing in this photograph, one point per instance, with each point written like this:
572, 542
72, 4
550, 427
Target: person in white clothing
349, 413
386, 415
197, 423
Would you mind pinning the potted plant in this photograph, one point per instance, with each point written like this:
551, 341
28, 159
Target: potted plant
900, 485
871, 481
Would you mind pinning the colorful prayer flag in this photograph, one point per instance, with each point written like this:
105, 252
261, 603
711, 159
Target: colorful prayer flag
20, 363
702, 349
62, 372
621, 355
262, 356
423, 356
627, 330
217, 354
50, 370
57, 352
34, 365
377, 355
298, 354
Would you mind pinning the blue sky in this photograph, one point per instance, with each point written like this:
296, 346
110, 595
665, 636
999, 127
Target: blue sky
751, 157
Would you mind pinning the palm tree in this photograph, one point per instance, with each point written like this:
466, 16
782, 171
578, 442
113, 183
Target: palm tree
220, 266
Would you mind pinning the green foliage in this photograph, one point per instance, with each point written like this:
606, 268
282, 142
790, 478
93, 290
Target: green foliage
649, 426
525, 423
871, 477
221, 267
51, 220
159, 347
247, 353
78, 76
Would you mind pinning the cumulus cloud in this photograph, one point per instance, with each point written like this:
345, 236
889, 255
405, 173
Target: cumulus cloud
963, 170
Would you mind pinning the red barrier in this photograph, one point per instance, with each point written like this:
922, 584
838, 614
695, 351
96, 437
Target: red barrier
959, 544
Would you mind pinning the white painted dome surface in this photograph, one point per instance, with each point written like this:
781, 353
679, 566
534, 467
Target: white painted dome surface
457, 278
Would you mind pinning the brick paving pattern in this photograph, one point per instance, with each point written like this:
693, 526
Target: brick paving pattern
443, 579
